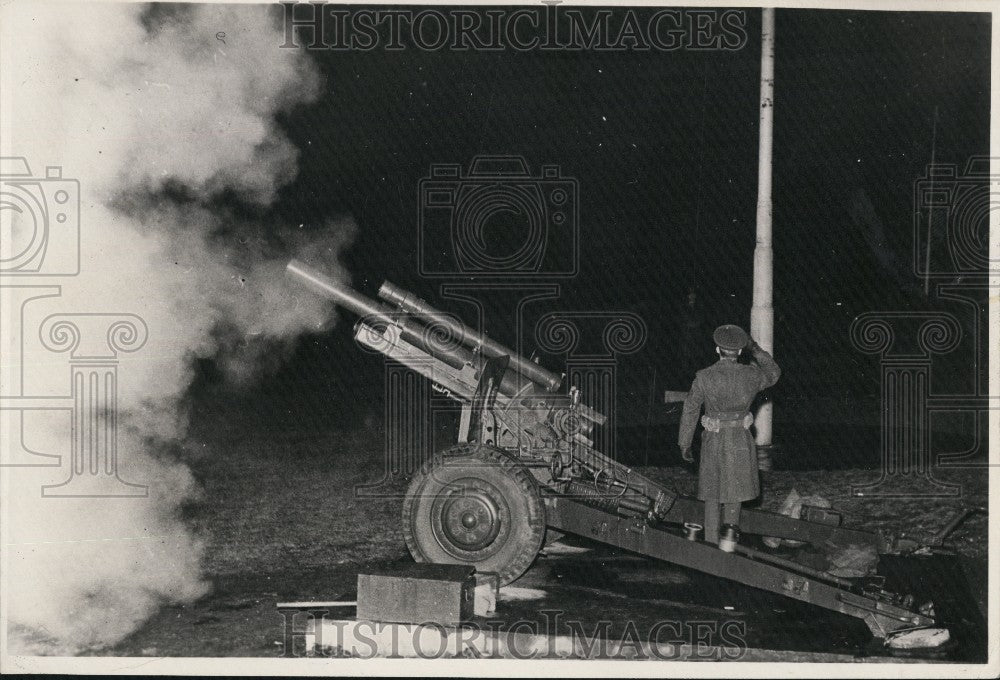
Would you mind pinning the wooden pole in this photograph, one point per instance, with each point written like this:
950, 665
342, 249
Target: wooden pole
762, 313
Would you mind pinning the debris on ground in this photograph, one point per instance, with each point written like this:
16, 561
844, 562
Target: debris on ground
792, 507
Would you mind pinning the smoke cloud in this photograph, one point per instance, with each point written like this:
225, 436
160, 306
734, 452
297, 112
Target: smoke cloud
167, 124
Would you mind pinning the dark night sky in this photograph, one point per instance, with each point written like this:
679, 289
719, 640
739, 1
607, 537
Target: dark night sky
664, 146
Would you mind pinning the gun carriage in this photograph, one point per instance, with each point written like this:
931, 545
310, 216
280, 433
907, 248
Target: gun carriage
525, 463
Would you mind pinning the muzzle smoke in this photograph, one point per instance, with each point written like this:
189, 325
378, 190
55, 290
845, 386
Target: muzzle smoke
163, 120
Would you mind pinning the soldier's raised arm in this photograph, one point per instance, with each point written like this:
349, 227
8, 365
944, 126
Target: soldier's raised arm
769, 369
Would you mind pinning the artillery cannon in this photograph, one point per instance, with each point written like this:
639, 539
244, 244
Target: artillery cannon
525, 463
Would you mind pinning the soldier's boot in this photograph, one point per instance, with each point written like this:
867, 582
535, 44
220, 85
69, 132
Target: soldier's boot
716, 514
712, 515
730, 534
731, 513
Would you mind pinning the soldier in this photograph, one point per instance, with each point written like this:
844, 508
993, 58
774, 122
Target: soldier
728, 472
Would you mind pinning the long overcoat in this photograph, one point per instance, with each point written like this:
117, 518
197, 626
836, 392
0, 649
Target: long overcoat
728, 470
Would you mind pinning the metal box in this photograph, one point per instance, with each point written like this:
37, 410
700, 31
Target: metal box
418, 593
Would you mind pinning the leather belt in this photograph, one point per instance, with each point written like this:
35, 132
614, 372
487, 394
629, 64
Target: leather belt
716, 421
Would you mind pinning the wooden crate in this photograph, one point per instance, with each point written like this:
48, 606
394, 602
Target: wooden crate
417, 593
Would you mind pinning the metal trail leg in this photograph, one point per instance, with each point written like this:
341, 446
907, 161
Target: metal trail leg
635, 535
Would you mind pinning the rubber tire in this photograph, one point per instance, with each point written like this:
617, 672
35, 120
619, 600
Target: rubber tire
520, 545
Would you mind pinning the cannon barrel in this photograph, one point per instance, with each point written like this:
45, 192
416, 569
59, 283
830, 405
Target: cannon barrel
411, 303
417, 334
369, 309
345, 296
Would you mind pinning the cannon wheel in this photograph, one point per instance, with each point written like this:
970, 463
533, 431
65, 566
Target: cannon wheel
474, 504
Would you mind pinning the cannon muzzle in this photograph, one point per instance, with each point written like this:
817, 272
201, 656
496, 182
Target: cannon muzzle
375, 312
345, 296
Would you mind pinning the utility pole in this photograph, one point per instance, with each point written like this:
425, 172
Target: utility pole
762, 313
930, 213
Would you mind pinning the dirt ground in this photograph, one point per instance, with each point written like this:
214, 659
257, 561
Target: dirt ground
281, 520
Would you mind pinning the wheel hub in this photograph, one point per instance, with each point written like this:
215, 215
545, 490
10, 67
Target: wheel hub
470, 518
